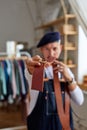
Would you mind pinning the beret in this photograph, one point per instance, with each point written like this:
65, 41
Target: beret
49, 38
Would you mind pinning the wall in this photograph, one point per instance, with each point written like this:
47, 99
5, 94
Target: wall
82, 53
18, 18
80, 8
16, 22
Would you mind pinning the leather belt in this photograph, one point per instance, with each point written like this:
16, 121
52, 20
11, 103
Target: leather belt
37, 79
63, 111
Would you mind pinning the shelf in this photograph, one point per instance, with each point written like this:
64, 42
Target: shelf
55, 22
69, 33
70, 48
83, 86
67, 29
68, 16
71, 65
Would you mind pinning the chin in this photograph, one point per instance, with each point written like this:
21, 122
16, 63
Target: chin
51, 59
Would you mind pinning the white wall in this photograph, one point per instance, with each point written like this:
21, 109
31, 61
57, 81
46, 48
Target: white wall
82, 55
16, 22
18, 19
80, 8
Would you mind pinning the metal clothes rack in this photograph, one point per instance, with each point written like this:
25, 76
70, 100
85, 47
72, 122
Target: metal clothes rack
24, 56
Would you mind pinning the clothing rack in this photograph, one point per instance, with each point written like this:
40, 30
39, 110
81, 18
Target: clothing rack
14, 87
6, 72
24, 56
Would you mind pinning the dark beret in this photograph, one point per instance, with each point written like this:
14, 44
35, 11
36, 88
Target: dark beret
49, 38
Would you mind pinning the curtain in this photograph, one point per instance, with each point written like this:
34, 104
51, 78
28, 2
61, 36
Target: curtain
80, 9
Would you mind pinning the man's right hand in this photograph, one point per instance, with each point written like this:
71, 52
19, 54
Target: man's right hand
32, 62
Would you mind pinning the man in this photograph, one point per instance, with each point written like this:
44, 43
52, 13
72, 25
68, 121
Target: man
42, 114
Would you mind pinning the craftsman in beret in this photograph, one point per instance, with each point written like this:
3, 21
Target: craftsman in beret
42, 115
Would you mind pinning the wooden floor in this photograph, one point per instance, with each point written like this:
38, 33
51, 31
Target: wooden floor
15, 128
11, 118
80, 118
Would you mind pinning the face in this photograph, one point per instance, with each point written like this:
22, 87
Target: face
51, 51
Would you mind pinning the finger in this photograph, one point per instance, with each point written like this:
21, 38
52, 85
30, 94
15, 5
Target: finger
37, 58
58, 68
59, 63
34, 63
30, 62
30, 69
61, 70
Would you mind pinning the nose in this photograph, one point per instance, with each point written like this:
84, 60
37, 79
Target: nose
50, 56
51, 53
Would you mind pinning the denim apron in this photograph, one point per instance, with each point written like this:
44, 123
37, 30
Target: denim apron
44, 116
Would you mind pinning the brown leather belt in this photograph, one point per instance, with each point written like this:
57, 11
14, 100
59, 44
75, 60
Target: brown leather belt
63, 111
37, 79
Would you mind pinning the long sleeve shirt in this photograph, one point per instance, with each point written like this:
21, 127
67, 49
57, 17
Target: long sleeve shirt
76, 95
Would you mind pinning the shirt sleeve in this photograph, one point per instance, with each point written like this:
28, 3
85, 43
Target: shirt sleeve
33, 93
28, 76
77, 96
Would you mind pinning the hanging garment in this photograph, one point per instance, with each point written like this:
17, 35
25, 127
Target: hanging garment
13, 80
17, 77
8, 85
2, 80
25, 89
13, 85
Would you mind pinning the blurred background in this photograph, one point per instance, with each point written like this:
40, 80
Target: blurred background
22, 24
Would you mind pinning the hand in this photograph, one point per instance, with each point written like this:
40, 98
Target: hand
32, 62
62, 68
